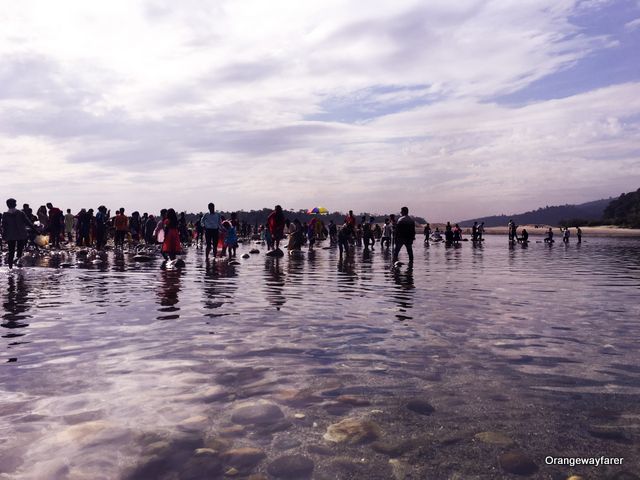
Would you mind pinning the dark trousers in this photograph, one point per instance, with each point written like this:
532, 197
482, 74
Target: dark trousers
14, 245
101, 238
211, 238
55, 237
399, 243
120, 236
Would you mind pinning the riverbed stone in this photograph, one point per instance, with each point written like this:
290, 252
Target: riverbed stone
420, 406
494, 438
609, 433
393, 448
259, 413
286, 443
517, 463
218, 444
291, 467
243, 458
352, 431
320, 450
232, 431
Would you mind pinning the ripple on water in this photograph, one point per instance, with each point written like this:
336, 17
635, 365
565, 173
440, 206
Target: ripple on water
130, 370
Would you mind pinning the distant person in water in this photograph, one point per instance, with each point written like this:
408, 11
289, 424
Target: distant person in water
69, 224
231, 238
211, 223
427, 233
344, 234
55, 225
367, 234
171, 245
14, 231
275, 223
480, 231
549, 237
296, 237
565, 235
513, 231
579, 234
448, 233
457, 234
102, 218
405, 234
333, 232
121, 224
149, 227
387, 232
474, 232
525, 236
158, 233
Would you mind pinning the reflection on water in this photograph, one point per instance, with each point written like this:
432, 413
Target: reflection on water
118, 369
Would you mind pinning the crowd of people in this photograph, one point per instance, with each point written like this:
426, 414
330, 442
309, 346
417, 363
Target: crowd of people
171, 231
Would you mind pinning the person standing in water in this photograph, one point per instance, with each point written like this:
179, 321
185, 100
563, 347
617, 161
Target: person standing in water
405, 234
549, 237
121, 224
579, 234
275, 224
565, 235
102, 218
231, 238
211, 224
171, 245
14, 231
69, 223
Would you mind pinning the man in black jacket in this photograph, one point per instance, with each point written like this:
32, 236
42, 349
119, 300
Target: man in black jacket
405, 234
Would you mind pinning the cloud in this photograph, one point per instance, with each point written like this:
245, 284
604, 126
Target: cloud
329, 101
633, 24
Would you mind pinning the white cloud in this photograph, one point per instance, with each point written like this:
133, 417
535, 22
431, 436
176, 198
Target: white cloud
219, 97
633, 24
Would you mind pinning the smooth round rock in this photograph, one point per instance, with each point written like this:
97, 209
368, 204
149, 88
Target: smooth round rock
352, 431
257, 414
494, 438
517, 463
421, 407
290, 467
244, 458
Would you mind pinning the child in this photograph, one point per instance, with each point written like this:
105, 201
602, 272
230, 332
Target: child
231, 238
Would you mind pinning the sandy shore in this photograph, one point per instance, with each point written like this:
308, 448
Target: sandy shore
601, 231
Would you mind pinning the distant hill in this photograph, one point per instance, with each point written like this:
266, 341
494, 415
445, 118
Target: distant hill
625, 210
583, 214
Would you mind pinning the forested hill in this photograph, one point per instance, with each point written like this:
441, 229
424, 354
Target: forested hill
625, 210
582, 214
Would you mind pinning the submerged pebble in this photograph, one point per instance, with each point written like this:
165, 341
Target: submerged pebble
262, 413
291, 467
517, 463
352, 431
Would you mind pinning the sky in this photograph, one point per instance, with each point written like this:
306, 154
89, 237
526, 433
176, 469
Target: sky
455, 109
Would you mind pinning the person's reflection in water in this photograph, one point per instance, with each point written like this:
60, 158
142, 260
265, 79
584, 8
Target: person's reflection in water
15, 305
168, 290
216, 288
403, 292
274, 281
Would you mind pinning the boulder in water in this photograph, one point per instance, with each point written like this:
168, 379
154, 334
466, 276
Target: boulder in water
275, 253
246, 255
254, 251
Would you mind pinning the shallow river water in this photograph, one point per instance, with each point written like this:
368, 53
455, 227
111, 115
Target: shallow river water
478, 363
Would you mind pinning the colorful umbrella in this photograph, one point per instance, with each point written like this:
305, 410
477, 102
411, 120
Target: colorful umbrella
318, 210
